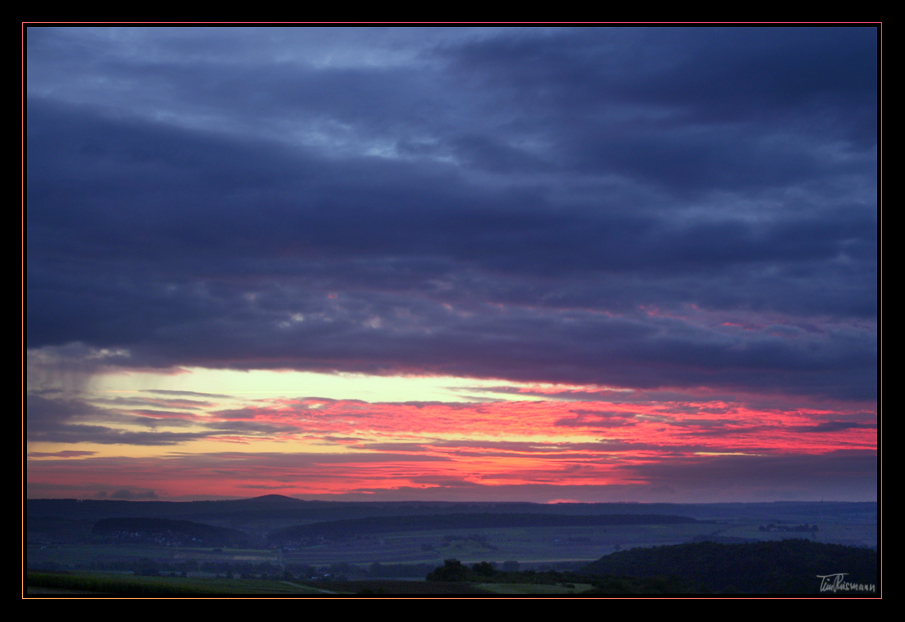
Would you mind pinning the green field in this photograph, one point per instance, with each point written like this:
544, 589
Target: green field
530, 588
108, 584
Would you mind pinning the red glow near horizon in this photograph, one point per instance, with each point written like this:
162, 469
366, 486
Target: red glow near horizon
451, 446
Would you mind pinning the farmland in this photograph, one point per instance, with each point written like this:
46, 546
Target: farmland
287, 548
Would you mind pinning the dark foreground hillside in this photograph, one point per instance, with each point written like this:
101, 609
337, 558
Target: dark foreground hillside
777, 567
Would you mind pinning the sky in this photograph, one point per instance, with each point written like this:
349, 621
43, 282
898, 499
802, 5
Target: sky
595, 264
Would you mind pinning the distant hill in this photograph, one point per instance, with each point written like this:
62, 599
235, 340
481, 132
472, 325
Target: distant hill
169, 532
775, 567
279, 507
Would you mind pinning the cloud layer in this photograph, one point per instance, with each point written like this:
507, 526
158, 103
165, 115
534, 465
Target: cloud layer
644, 208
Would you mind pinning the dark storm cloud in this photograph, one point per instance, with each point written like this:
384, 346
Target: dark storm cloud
507, 204
687, 82
675, 89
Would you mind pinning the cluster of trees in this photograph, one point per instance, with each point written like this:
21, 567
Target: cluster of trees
454, 571
408, 571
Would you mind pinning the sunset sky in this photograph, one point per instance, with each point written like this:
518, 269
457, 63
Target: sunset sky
517, 264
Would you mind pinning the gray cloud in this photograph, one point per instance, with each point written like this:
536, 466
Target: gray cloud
490, 203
